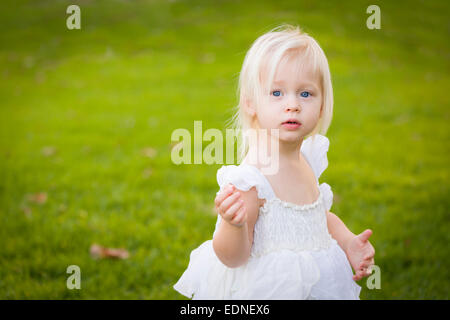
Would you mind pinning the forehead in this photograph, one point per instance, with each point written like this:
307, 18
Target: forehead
296, 69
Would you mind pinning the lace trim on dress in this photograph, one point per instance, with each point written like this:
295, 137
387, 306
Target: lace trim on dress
296, 207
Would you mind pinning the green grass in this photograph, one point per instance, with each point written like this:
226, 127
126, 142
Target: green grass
138, 70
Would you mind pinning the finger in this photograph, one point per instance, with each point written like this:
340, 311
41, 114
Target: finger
369, 257
360, 274
364, 236
357, 274
220, 197
371, 254
364, 264
230, 200
223, 194
240, 216
229, 214
240, 213
370, 262
366, 271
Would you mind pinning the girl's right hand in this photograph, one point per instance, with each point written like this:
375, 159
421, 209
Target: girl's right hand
229, 205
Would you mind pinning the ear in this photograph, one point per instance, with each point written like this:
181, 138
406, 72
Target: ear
249, 107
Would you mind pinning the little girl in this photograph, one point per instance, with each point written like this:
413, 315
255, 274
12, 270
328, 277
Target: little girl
275, 237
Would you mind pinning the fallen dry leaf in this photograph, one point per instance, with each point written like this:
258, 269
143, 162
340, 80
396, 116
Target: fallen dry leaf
48, 151
208, 58
83, 213
407, 242
26, 210
149, 152
147, 173
86, 149
40, 197
99, 252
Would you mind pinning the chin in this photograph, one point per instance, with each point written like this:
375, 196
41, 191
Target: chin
291, 138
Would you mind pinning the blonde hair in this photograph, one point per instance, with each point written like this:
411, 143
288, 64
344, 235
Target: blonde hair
266, 52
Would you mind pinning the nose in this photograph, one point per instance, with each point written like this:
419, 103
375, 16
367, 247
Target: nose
293, 107
293, 104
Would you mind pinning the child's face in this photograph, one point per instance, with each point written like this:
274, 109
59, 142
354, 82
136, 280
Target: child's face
295, 94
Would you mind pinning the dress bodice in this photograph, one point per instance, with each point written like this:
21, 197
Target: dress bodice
283, 225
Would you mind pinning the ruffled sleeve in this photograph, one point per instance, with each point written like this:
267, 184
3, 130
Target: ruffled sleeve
243, 177
315, 149
325, 189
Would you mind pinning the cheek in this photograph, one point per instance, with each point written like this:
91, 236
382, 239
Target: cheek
314, 107
263, 115
267, 111
311, 120
312, 110
311, 116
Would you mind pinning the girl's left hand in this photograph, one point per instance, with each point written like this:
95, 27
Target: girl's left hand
360, 254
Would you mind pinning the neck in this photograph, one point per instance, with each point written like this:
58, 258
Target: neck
271, 152
290, 152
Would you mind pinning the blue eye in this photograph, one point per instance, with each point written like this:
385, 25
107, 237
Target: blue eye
305, 94
276, 93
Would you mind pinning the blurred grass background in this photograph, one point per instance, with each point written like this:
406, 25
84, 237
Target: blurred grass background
86, 118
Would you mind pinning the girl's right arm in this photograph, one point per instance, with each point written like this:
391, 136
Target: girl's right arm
233, 240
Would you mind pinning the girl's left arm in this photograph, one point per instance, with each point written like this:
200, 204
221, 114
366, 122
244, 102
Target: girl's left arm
339, 231
358, 249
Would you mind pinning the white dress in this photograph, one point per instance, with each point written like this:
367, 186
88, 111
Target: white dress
293, 255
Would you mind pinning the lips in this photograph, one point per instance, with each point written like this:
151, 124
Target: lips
291, 124
292, 121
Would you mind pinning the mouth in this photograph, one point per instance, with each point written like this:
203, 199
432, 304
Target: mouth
292, 121
291, 124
